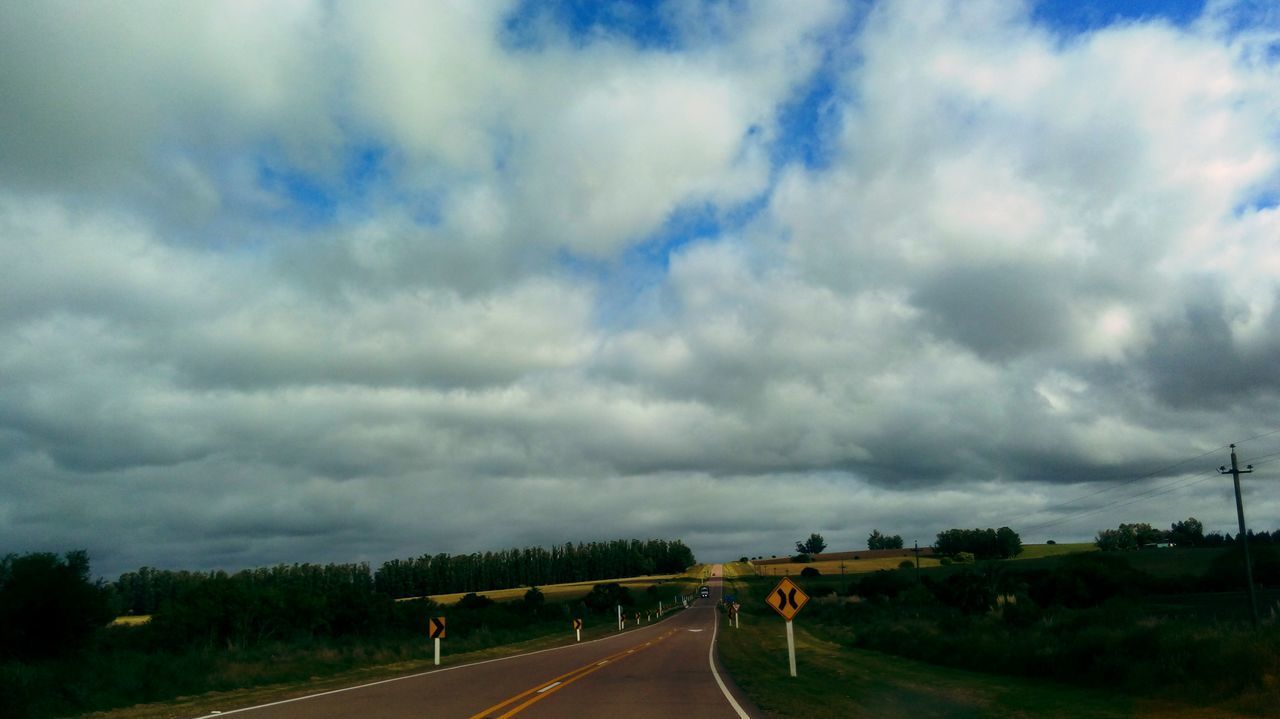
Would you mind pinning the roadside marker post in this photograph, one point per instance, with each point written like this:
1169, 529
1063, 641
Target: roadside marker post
787, 599
436, 633
577, 629
621, 621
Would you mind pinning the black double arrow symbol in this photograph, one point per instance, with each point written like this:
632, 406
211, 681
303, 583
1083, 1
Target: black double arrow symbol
787, 599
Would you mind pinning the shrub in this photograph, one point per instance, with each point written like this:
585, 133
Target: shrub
534, 598
604, 597
1050, 542
471, 600
809, 572
963, 558
946, 561
48, 605
881, 584
906, 564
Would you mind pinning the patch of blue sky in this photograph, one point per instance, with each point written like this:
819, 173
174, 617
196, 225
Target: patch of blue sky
809, 123
1078, 17
628, 285
1267, 199
315, 198
644, 23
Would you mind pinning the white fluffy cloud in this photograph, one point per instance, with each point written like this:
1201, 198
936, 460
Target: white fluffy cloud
282, 280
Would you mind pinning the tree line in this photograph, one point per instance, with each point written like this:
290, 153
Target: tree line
147, 590
1188, 533
445, 574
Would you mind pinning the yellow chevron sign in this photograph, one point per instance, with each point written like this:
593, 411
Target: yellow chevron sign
787, 599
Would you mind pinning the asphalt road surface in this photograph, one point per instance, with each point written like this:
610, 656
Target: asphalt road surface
663, 669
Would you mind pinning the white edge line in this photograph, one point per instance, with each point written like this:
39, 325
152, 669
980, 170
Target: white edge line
419, 674
711, 659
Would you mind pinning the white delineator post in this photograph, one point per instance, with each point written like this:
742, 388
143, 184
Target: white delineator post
437, 641
620, 624
791, 647
578, 632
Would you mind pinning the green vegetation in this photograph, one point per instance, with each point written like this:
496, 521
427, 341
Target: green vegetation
876, 540
1063, 634
220, 632
146, 590
1001, 543
813, 545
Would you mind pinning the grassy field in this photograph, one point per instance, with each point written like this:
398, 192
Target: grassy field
860, 566
1039, 551
838, 681
834, 567
562, 592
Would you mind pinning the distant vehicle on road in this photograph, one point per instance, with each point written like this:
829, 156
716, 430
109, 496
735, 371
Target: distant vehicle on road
704, 591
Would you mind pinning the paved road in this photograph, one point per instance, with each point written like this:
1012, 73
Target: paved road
660, 670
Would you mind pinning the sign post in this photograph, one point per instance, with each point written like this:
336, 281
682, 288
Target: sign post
577, 629
787, 599
436, 632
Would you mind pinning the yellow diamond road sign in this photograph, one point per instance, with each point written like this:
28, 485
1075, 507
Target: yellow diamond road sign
787, 599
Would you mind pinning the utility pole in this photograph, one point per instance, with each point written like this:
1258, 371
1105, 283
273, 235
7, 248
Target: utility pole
917, 551
1235, 473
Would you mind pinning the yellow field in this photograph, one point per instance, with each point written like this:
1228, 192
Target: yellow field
832, 566
561, 591
131, 620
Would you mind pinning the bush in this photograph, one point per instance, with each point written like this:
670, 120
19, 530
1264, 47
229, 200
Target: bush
1227, 570
972, 592
48, 605
883, 583
1083, 580
471, 600
604, 597
534, 598
906, 564
810, 572
802, 558
963, 558
946, 561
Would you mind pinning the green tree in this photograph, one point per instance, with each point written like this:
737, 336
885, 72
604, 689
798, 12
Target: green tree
876, 540
1129, 536
1187, 534
813, 545
48, 605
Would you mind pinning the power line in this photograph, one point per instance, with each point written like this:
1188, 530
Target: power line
1154, 492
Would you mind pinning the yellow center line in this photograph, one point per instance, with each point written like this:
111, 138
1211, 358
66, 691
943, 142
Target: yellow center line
544, 689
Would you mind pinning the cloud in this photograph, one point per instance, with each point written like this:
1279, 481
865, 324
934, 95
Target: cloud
306, 282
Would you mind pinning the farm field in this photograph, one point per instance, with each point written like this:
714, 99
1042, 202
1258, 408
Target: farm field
862, 564
836, 567
560, 592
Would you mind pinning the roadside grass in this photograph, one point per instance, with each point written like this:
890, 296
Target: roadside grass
273, 673
836, 680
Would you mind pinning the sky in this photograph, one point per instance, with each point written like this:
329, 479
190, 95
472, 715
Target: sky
330, 282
